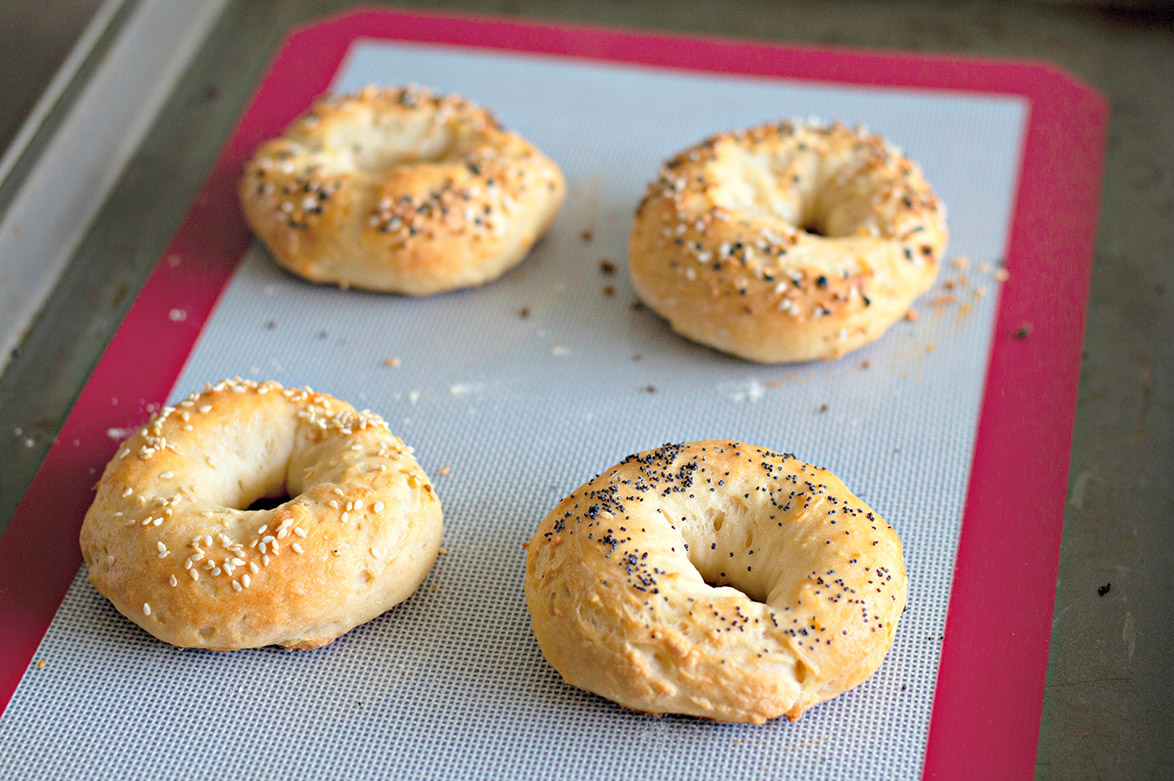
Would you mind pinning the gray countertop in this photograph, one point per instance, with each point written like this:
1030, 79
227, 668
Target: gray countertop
1109, 670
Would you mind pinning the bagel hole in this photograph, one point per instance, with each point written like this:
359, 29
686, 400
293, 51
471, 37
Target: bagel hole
376, 150
751, 594
813, 228
711, 555
720, 574
266, 503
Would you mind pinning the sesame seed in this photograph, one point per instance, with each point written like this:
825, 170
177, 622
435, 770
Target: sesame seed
236, 586
377, 507
298, 530
146, 608
246, 580
195, 573
173, 581
297, 548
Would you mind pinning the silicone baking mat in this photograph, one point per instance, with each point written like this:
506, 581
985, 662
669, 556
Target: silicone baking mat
525, 388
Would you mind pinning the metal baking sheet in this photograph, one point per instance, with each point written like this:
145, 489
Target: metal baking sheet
523, 408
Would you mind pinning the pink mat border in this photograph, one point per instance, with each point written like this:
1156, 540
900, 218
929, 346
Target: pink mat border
988, 700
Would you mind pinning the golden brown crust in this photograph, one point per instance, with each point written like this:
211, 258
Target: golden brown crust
715, 579
167, 541
400, 190
787, 242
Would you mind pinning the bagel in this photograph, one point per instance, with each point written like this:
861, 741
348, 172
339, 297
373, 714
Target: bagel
717, 580
787, 242
400, 190
170, 543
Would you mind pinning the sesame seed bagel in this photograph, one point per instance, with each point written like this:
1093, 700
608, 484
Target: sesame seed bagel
717, 580
787, 242
170, 542
400, 190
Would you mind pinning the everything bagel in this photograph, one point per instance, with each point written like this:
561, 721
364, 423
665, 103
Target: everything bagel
400, 190
170, 543
715, 579
787, 242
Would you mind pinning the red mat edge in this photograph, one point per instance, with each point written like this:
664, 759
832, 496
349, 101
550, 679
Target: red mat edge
989, 694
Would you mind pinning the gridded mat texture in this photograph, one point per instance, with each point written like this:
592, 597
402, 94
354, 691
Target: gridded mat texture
523, 409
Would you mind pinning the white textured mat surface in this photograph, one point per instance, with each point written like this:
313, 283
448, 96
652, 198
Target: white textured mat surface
451, 684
